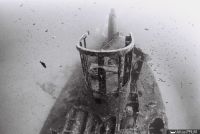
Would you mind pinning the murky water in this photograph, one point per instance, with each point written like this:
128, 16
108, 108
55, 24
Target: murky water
47, 31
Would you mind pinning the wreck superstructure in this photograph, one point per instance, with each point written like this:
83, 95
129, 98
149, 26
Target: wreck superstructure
107, 77
118, 92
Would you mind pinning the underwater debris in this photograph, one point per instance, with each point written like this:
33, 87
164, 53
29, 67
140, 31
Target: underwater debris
43, 64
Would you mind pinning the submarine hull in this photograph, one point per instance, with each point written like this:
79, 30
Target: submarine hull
149, 112
114, 93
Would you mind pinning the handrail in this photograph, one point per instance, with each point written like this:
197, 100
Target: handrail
92, 52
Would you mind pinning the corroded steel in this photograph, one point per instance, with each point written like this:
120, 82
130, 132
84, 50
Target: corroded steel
116, 93
123, 69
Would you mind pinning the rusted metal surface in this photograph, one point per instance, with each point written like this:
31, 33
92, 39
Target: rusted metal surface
104, 52
138, 109
151, 107
135, 107
147, 109
123, 69
115, 94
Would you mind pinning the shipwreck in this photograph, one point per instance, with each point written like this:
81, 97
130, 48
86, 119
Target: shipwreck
116, 92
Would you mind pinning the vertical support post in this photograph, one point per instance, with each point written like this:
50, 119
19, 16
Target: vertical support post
120, 72
84, 39
101, 75
120, 92
127, 67
84, 61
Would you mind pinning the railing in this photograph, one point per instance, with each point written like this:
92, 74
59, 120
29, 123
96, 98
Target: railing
122, 68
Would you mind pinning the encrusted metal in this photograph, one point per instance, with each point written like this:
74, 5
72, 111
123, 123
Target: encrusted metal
116, 93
